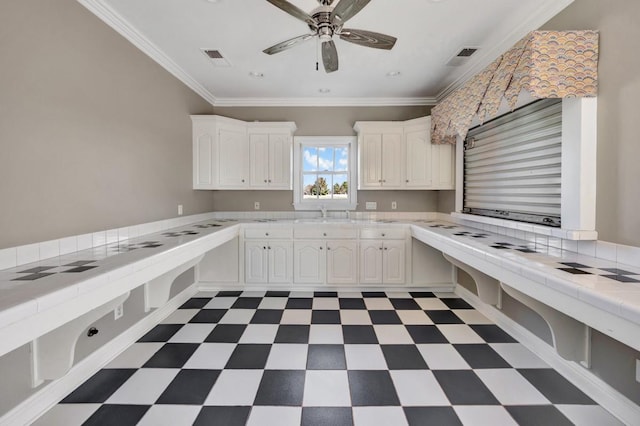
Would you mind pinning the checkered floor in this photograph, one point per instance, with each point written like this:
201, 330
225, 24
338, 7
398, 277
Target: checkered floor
371, 358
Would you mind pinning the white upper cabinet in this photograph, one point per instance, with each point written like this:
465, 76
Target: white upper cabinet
233, 154
399, 155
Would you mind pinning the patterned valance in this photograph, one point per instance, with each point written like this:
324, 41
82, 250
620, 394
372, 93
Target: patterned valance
546, 64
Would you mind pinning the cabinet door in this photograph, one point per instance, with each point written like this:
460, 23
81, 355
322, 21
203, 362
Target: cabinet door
371, 262
393, 262
279, 176
342, 262
443, 166
232, 158
418, 159
392, 160
309, 262
203, 145
370, 161
280, 261
255, 262
259, 160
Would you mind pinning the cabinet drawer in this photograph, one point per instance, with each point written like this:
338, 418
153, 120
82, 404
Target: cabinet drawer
333, 232
270, 233
382, 233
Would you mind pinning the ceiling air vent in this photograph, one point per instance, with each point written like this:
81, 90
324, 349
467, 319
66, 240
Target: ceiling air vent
462, 56
216, 57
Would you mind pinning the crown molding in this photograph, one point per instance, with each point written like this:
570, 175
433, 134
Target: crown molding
546, 10
125, 29
314, 102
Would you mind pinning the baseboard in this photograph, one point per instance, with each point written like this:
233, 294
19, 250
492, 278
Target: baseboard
211, 286
609, 398
36, 405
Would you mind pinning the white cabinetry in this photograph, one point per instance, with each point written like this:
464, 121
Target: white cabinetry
270, 150
268, 256
231, 157
382, 256
381, 158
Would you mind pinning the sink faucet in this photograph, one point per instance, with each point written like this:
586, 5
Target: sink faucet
323, 210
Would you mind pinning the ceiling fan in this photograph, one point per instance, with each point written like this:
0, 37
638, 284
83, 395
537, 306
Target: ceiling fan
325, 22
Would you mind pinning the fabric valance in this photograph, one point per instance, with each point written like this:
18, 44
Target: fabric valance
546, 64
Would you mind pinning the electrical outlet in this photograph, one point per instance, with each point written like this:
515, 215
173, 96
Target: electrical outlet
638, 370
118, 312
256, 205
394, 205
371, 205
179, 209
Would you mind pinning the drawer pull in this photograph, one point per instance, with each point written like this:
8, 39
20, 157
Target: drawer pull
266, 234
324, 234
383, 234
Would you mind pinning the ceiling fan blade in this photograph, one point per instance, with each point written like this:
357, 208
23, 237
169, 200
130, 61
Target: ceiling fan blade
294, 11
277, 48
329, 56
346, 9
368, 38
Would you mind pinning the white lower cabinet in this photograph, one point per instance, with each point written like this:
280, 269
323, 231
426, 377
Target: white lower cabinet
342, 262
268, 262
331, 262
382, 262
310, 262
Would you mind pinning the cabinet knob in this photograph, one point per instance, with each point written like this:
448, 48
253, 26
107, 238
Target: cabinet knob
383, 180
264, 248
324, 234
328, 248
385, 248
269, 180
265, 181
407, 181
269, 248
380, 248
320, 248
383, 234
242, 180
266, 234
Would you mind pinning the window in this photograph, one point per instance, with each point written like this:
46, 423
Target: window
324, 175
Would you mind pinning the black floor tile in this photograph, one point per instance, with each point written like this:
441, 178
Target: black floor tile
222, 416
405, 304
196, 302
326, 357
229, 294
246, 303
384, 317
226, 333
209, 316
33, 277
325, 294
281, 387
299, 303
120, 415
189, 387
574, 265
372, 388
437, 416
359, 334
292, 334
374, 294
554, 387
161, 333
267, 316
99, 387
326, 416
492, 334
325, 317
575, 271
421, 294
426, 334
463, 387
535, 415
36, 270
349, 303
481, 356
249, 356
79, 269
622, 278
277, 294
444, 317
456, 303
618, 271
172, 355
403, 357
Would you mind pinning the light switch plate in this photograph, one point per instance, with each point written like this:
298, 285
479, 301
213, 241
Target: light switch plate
394, 205
371, 205
256, 205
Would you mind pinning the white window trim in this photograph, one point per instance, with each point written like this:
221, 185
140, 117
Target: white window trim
298, 203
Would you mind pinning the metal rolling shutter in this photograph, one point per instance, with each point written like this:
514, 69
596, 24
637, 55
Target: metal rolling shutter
512, 165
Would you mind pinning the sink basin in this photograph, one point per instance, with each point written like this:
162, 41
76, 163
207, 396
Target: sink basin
328, 220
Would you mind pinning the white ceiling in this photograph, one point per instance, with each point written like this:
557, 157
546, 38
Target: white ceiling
429, 33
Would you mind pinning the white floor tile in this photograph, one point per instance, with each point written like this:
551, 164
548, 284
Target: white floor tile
392, 335
221, 303
180, 316
211, 356
135, 355
414, 317
355, 317
398, 295
170, 415
273, 303
326, 303
287, 356
349, 295
67, 414
326, 389
484, 416
192, 333
589, 415
510, 388
459, 333
378, 303
364, 357
296, 316
518, 356
144, 387
442, 357
471, 316
301, 294
269, 416
235, 387
237, 316
379, 416
431, 304
325, 333
418, 387
252, 293
259, 333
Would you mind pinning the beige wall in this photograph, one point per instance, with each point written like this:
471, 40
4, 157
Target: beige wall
618, 174
324, 121
93, 134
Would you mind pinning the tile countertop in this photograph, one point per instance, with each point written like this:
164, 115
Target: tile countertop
29, 289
